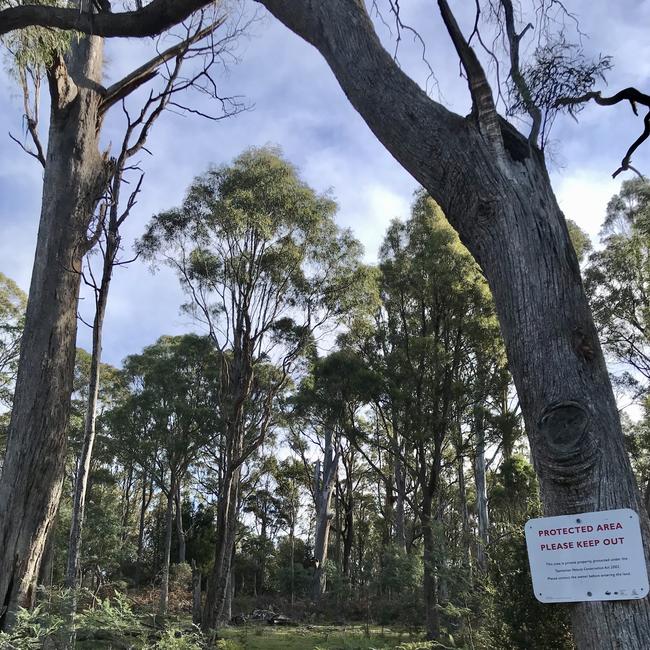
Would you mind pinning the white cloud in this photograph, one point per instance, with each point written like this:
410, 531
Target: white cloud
583, 196
298, 105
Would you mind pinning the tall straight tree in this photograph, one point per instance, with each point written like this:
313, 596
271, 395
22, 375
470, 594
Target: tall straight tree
76, 179
73, 183
266, 269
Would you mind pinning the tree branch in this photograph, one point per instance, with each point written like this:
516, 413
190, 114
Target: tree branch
148, 70
515, 72
482, 99
395, 108
151, 20
632, 95
38, 155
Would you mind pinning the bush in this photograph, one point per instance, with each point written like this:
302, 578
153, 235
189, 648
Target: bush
180, 576
32, 629
176, 639
228, 644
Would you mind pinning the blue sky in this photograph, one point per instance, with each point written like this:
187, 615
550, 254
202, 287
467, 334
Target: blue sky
296, 103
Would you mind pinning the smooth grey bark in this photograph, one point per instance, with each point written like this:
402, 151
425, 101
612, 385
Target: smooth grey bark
481, 492
499, 198
167, 550
324, 482
74, 180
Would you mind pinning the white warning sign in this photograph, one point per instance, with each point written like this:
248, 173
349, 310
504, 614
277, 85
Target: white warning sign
589, 556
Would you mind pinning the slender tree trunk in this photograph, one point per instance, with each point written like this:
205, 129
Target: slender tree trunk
323, 489
147, 493
481, 492
430, 573
84, 461
74, 180
348, 539
167, 551
292, 537
230, 589
179, 525
196, 594
126, 503
464, 511
499, 198
400, 500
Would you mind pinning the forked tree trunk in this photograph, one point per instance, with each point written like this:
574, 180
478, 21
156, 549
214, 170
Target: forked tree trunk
74, 180
499, 198
217, 590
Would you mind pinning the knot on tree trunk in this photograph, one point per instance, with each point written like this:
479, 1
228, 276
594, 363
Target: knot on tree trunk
569, 449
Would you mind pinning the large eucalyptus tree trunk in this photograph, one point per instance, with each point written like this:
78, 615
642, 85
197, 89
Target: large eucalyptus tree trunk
495, 190
74, 180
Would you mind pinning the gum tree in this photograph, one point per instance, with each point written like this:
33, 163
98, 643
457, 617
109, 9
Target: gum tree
266, 269
80, 181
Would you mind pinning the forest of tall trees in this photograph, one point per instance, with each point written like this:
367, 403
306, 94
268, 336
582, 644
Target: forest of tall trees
331, 443
378, 471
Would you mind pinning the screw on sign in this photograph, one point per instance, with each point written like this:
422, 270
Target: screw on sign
590, 556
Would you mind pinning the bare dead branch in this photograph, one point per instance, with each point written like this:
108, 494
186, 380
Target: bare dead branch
148, 70
27, 150
99, 226
635, 98
514, 40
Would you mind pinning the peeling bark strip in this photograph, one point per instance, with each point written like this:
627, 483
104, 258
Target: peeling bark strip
508, 217
74, 180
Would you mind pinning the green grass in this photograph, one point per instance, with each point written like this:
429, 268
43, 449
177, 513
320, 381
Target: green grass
314, 637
